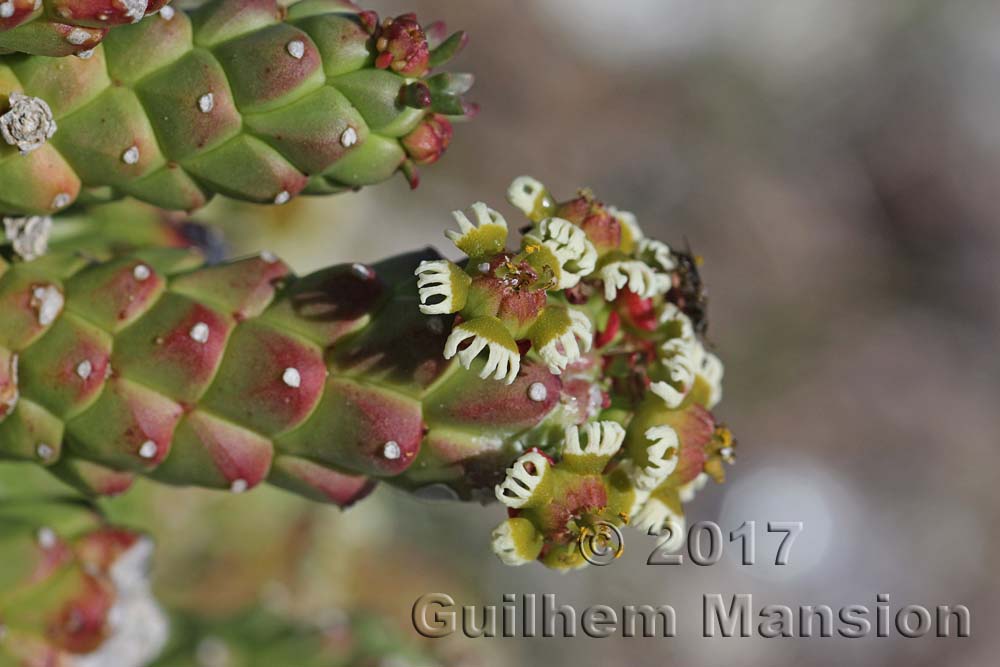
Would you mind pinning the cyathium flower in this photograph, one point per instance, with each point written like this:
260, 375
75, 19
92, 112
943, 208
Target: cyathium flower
684, 361
614, 317
577, 255
553, 506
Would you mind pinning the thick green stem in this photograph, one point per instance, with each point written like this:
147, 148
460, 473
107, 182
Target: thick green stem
566, 379
249, 100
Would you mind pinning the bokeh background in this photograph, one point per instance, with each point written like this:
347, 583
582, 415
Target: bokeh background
837, 164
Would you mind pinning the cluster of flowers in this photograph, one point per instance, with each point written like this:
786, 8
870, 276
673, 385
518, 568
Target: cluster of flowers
594, 299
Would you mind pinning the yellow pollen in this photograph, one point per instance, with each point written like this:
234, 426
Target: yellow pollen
724, 435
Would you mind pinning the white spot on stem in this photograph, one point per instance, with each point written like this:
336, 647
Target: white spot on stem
29, 236
48, 303
77, 36
200, 332
131, 155
46, 537
296, 49
148, 449
206, 102
85, 369
292, 378
538, 392
361, 271
134, 9
392, 450
349, 137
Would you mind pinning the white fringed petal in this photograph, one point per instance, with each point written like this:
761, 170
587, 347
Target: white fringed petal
520, 483
582, 327
662, 457
485, 217
659, 252
712, 370
505, 546
672, 397
671, 313
524, 192
639, 277
604, 438
570, 245
502, 362
565, 348
435, 279
681, 357
688, 491
654, 517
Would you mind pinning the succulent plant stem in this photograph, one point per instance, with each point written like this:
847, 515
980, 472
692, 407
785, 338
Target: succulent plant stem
515, 375
250, 100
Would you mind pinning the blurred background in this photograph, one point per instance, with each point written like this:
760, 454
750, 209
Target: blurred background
837, 164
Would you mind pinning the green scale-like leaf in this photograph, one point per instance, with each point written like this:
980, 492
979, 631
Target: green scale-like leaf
230, 375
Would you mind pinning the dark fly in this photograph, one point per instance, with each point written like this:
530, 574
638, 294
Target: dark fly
688, 291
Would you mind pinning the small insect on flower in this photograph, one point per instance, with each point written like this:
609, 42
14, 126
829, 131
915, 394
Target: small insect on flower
688, 290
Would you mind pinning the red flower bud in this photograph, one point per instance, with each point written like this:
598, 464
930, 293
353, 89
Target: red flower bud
429, 140
402, 46
603, 230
